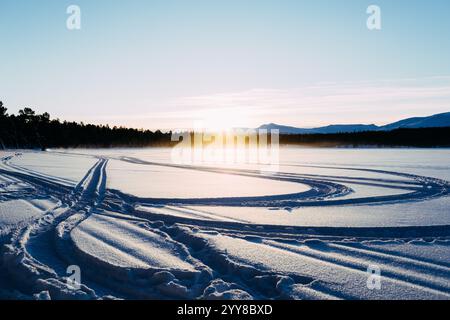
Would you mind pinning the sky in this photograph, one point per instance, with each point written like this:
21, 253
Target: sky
171, 64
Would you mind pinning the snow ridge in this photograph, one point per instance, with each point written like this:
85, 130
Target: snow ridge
149, 248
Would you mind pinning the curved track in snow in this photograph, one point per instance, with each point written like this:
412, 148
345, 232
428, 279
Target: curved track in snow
324, 190
126, 252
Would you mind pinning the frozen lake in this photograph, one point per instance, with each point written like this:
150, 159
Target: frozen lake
382, 176
193, 230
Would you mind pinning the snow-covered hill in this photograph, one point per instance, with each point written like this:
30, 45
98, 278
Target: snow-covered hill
437, 120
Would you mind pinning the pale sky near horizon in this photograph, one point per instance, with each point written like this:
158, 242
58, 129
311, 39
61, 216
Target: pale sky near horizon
169, 63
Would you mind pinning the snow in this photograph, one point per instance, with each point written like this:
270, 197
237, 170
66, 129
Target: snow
337, 267
68, 169
149, 181
140, 227
16, 211
125, 244
20, 201
433, 212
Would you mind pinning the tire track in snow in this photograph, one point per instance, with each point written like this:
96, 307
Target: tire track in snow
261, 282
405, 274
31, 256
325, 190
334, 270
41, 250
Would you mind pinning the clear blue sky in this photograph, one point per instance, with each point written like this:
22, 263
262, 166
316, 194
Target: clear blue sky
166, 63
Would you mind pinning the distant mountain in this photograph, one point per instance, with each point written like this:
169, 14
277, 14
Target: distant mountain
284, 129
434, 121
328, 129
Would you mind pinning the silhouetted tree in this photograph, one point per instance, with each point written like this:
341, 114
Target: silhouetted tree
27, 115
31, 130
3, 110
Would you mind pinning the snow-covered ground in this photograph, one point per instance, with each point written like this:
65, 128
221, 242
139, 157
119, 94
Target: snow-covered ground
138, 226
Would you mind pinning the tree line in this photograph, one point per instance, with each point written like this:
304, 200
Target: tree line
28, 129
404, 137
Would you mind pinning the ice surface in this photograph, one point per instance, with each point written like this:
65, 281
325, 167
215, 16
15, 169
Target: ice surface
432, 212
141, 227
69, 168
149, 181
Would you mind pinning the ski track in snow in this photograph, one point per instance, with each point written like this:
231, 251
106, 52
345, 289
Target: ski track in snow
155, 248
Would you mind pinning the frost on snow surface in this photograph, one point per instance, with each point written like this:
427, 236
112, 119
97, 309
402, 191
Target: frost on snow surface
132, 225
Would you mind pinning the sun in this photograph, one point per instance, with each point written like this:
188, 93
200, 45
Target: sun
222, 119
